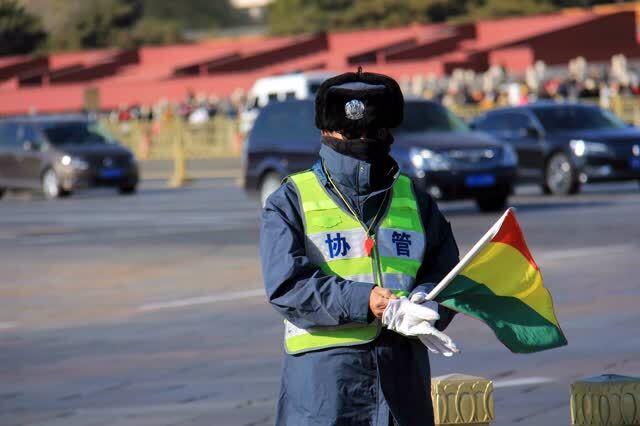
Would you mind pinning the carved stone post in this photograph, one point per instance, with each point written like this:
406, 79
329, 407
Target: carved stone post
459, 399
609, 400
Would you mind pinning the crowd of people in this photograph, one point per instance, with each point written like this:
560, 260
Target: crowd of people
495, 87
577, 81
196, 108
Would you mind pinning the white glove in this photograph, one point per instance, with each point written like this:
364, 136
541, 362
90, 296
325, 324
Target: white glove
408, 319
439, 343
412, 319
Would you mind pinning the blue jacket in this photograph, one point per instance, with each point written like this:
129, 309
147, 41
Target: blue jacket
369, 384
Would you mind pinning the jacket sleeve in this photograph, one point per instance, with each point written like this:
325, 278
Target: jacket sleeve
295, 287
441, 254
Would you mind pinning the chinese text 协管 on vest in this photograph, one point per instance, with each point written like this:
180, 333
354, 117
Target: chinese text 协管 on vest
335, 241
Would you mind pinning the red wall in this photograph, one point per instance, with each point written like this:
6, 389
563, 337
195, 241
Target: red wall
596, 41
219, 67
513, 58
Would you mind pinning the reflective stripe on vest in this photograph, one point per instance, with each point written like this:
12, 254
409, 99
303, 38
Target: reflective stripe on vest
335, 242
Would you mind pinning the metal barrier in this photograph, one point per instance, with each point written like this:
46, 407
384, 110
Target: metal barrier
156, 140
627, 108
177, 140
466, 111
219, 136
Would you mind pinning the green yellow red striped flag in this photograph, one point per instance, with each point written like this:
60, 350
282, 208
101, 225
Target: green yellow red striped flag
499, 283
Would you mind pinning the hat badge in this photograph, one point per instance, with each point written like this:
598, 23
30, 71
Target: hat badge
354, 109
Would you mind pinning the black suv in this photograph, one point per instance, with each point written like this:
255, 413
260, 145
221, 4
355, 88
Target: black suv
59, 154
561, 146
433, 146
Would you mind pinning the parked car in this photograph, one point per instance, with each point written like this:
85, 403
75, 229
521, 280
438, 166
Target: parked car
59, 154
433, 146
562, 146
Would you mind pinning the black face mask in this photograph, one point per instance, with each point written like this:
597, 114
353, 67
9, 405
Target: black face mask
370, 149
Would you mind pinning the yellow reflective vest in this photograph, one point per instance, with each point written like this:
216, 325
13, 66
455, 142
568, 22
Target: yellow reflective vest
335, 242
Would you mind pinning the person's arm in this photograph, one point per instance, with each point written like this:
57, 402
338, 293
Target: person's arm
441, 254
295, 287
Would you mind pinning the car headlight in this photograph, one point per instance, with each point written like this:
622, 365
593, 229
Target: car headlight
425, 159
581, 148
509, 156
74, 162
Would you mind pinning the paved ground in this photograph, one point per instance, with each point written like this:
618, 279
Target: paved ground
147, 310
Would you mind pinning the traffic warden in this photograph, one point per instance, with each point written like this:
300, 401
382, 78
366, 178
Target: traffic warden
347, 247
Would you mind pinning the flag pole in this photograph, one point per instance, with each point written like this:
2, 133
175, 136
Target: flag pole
486, 238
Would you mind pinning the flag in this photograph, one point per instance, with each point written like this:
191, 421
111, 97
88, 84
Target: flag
499, 283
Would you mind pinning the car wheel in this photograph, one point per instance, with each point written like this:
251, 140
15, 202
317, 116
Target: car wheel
127, 189
50, 185
270, 182
2, 191
492, 203
560, 176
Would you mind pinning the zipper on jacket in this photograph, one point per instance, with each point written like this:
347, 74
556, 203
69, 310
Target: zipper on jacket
375, 261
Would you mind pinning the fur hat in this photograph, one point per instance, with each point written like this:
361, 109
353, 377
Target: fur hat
356, 102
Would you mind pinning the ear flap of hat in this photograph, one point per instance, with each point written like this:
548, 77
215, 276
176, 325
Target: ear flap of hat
394, 101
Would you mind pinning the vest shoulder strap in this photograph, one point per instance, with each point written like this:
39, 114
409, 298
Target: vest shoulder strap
312, 196
403, 195
296, 175
403, 187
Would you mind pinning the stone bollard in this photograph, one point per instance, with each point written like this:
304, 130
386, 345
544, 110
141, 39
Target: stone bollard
459, 399
609, 400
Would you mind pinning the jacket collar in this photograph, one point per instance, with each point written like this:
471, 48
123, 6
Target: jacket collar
352, 176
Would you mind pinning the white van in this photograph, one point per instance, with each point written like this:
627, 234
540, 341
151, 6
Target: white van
277, 89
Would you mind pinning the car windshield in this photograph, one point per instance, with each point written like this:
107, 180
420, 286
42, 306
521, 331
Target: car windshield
430, 117
75, 133
577, 118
